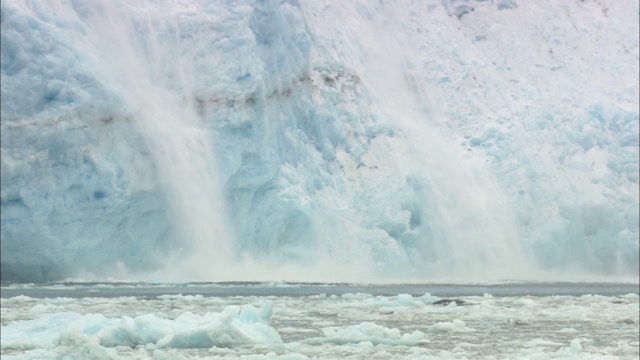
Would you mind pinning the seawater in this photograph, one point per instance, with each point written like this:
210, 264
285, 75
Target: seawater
141, 289
320, 321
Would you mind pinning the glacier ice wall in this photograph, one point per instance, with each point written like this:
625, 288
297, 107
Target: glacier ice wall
323, 140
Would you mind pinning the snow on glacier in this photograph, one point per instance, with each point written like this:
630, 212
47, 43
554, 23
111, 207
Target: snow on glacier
413, 139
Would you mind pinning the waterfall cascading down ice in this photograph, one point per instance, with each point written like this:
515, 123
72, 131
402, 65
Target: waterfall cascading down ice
335, 141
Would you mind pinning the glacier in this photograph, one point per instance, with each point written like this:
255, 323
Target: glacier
321, 141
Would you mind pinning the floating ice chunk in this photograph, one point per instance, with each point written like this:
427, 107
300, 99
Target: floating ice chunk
525, 302
428, 298
449, 326
538, 356
234, 326
576, 346
186, 298
19, 298
367, 332
404, 299
357, 296
541, 343
76, 345
38, 333
400, 300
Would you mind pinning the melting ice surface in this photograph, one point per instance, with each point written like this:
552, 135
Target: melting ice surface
318, 141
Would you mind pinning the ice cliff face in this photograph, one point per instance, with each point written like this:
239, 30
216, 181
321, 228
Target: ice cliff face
348, 140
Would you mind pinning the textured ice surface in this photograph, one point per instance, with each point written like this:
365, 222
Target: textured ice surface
432, 139
233, 326
320, 326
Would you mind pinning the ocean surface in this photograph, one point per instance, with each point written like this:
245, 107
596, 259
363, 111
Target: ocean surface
247, 320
